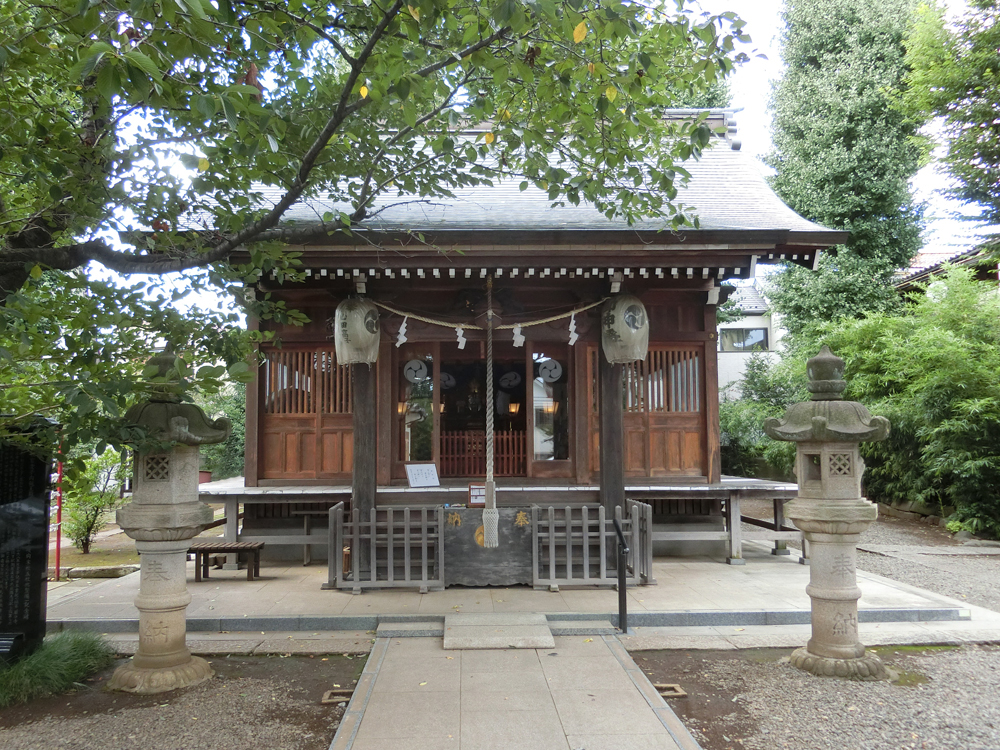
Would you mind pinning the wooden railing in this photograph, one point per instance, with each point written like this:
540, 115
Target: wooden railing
577, 546
463, 453
387, 548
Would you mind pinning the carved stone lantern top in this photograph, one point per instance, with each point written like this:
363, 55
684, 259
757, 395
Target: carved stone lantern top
166, 418
827, 417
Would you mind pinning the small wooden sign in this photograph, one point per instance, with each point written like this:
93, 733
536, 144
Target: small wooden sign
477, 495
422, 475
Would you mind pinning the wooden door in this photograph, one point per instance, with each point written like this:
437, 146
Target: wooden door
306, 422
663, 412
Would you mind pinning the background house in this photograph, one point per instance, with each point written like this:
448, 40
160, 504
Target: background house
756, 331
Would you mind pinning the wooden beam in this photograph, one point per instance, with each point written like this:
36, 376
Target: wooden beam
364, 483
612, 433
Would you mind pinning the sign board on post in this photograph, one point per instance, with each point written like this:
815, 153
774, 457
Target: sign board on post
422, 475
24, 549
477, 495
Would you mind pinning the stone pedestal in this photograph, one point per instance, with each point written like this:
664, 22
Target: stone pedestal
164, 515
162, 662
831, 513
833, 533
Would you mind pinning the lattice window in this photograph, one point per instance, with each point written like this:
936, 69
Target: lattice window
157, 468
305, 382
841, 465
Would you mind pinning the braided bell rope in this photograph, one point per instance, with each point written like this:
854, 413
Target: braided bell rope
491, 516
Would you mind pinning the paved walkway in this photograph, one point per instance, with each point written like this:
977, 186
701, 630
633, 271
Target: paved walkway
416, 695
697, 603
581, 693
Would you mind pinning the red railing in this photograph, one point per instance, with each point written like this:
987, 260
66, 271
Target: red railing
463, 454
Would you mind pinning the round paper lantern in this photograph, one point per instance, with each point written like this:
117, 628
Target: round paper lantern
356, 332
624, 329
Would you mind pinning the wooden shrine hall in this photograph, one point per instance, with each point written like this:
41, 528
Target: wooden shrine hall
495, 330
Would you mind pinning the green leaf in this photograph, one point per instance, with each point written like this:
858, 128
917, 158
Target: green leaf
230, 111
205, 105
108, 81
273, 142
142, 62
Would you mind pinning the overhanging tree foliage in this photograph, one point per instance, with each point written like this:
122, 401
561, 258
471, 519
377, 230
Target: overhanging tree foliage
842, 154
137, 135
102, 100
955, 74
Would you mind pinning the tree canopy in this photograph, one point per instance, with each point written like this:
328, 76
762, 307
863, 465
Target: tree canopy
955, 74
843, 155
137, 134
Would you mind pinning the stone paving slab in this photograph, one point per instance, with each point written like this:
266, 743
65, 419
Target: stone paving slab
418, 629
497, 630
416, 695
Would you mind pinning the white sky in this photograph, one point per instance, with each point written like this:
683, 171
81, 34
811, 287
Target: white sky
751, 87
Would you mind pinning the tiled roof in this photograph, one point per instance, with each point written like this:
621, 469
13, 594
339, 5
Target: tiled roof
930, 261
727, 191
749, 299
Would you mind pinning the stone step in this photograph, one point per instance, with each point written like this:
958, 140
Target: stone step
410, 629
582, 627
493, 630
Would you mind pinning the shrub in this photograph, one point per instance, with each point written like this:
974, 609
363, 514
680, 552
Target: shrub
935, 373
91, 495
59, 662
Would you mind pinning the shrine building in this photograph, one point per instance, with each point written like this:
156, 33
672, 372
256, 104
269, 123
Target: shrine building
571, 429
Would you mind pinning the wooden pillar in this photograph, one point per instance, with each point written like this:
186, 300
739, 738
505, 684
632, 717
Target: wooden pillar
365, 408
713, 468
612, 434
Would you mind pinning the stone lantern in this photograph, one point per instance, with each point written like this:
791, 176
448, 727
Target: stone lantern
164, 515
831, 513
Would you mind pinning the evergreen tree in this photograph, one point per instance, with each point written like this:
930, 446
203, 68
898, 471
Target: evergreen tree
843, 155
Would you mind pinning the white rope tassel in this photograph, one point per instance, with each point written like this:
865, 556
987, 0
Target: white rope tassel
491, 516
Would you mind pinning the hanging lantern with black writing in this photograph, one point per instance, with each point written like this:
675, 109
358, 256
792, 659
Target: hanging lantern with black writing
356, 332
624, 329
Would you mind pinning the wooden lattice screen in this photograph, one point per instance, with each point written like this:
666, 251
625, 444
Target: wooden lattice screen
664, 412
305, 381
306, 419
668, 380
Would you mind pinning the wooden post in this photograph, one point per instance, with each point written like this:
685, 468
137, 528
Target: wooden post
612, 434
365, 480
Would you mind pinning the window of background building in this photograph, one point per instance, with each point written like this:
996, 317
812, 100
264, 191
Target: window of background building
743, 340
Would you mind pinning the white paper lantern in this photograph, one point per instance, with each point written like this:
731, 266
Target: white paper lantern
624, 329
356, 332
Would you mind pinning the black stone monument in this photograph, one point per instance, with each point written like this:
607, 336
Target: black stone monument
24, 549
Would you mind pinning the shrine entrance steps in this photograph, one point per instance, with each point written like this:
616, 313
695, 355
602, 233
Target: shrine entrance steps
499, 681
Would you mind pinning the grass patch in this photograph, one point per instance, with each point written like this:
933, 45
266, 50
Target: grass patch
60, 661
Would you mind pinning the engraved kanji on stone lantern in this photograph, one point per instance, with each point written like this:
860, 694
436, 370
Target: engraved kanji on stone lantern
831, 513
165, 513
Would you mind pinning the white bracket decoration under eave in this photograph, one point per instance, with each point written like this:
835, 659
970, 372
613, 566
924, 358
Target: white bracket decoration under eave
616, 282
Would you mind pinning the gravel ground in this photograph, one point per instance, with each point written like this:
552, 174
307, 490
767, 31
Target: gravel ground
972, 578
253, 702
945, 699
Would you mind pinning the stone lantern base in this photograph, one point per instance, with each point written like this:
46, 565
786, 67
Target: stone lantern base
134, 679
867, 667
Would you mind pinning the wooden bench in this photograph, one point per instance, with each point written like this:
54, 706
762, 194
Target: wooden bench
202, 551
